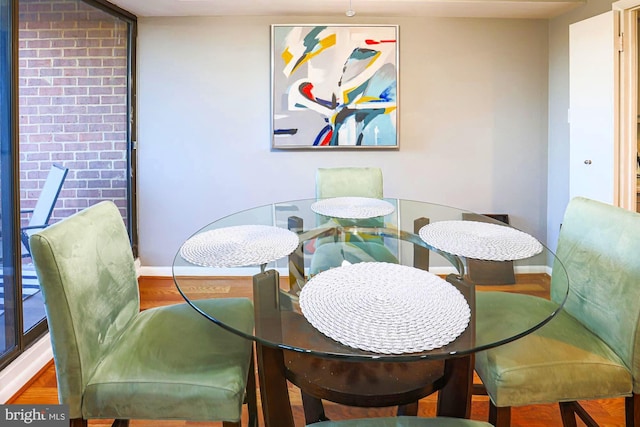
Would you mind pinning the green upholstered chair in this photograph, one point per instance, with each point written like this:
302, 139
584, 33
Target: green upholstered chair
591, 349
344, 182
404, 422
349, 181
114, 361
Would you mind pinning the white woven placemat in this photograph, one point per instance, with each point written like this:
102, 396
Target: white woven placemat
480, 240
352, 207
239, 246
385, 308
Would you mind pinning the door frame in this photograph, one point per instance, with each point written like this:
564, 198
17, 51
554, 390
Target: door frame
626, 137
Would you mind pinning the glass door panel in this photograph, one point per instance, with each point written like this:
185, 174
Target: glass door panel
73, 102
66, 85
8, 330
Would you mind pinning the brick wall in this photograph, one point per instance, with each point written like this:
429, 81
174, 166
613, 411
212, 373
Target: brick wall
73, 68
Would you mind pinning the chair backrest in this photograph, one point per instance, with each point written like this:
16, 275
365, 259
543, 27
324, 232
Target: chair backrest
349, 181
599, 246
87, 275
48, 196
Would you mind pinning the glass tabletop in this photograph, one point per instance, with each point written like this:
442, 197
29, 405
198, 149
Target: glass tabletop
362, 278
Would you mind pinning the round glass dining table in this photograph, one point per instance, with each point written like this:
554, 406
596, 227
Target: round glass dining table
376, 283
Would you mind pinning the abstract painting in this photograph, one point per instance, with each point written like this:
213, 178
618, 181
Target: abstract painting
334, 86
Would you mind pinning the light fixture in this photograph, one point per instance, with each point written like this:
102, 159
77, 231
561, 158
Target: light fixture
350, 12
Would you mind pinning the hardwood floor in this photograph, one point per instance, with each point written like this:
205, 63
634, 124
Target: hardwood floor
156, 291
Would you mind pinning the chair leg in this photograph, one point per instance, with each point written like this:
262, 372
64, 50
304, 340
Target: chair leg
250, 394
567, 414
120, 423
569, 411
78, 422
499, 416
632, 410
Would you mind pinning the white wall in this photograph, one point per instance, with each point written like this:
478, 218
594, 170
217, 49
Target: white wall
473, 123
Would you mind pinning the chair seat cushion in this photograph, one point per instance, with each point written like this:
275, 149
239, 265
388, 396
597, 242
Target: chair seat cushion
332, 254
404, 422
561, 361
156, 370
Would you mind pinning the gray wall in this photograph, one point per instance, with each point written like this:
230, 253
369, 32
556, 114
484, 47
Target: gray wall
558, 193
473, 123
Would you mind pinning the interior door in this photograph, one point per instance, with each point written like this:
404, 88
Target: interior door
592, 65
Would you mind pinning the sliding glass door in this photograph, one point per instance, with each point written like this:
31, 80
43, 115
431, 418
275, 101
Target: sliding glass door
74, 130
9, 312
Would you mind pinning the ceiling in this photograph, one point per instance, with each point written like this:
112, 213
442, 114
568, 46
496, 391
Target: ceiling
363, 8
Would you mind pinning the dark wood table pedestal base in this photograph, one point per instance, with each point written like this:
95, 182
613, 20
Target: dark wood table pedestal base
363, 383
359, 383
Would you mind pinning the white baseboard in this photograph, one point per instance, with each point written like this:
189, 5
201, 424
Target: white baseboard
26, 366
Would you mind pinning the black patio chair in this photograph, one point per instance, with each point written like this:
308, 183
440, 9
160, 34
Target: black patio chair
39, 216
